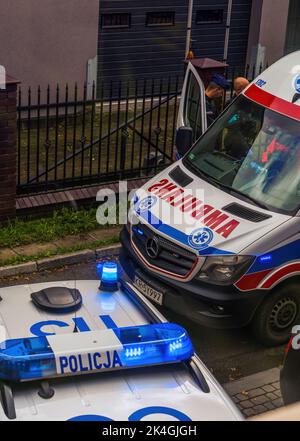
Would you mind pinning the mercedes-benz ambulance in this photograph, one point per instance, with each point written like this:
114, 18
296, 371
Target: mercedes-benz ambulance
234, 259
79, 352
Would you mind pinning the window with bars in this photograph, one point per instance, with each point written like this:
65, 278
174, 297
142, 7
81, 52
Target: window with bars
166, 18
209, 16
109, 21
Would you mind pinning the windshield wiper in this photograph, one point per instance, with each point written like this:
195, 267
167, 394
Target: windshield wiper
240, 193
230, 190
250, 198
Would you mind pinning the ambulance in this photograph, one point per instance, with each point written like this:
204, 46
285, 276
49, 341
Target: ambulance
216, 235
85, 351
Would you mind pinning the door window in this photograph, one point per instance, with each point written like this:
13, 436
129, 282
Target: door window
193, 107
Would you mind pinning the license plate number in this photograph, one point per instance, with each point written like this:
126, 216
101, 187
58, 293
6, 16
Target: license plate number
148, 291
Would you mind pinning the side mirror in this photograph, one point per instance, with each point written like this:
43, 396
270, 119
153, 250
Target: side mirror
184, 140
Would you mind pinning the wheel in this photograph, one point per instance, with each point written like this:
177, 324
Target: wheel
276, 316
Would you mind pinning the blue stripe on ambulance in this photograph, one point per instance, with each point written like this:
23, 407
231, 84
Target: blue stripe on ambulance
176, 234
277, 257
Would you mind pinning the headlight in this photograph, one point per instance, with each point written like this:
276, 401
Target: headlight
224, 270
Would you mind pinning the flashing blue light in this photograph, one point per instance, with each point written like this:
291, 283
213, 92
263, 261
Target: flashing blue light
108, 273
147, 345
138, 230
265, 258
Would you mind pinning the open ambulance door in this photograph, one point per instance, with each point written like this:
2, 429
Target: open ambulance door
192, 120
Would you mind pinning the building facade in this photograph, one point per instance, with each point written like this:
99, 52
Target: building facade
49, 41
59, 41
148, 39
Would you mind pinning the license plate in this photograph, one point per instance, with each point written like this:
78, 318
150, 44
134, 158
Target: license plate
148, 291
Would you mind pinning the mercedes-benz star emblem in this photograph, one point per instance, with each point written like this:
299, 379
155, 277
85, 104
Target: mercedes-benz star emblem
152, 248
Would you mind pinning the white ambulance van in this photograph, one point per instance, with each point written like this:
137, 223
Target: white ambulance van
235, 257
71, 351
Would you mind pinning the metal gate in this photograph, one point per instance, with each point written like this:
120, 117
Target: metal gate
67, 140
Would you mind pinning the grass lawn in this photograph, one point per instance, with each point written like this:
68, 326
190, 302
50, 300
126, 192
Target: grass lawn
65, 222
63, 232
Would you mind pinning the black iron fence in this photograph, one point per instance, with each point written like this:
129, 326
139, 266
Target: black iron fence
68, 136
70, 140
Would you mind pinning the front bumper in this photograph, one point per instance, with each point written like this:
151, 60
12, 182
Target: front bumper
210, 305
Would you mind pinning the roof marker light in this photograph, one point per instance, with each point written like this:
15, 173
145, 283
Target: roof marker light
108, 273
137, 346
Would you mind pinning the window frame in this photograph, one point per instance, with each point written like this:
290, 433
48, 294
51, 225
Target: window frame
204, 22
125, 26
155, 25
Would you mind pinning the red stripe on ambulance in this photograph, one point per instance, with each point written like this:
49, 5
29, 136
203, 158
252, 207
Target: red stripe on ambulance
273, 102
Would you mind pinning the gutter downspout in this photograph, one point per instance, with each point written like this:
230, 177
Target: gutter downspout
189, 28
227, 33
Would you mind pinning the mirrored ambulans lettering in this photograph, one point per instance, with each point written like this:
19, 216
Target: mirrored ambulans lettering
214, 219
88, 362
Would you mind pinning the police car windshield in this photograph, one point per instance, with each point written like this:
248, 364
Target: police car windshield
254, 152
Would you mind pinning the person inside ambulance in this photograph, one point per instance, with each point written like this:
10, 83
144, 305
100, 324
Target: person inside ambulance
213, 93
254, 152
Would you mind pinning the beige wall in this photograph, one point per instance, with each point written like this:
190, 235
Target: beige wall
268, 29
273, 28
48, 41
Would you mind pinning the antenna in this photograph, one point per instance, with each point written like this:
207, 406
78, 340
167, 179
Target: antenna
75, 330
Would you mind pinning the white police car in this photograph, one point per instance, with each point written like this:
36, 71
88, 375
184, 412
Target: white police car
216, 236
80, 352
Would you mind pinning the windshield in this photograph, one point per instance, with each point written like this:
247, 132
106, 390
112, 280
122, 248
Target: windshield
253, 152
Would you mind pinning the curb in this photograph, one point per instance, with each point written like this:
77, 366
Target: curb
58, 261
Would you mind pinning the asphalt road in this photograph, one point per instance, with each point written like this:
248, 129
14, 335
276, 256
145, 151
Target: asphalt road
229, 354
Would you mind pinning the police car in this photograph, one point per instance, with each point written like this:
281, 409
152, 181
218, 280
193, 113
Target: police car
216, 236
79, 352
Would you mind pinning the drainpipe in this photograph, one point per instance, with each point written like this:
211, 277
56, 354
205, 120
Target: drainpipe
189, 27
227, 33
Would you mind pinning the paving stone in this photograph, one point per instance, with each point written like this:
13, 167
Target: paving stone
71, 241
249, 412
34, 249
246, 404
268, 388
260, 379
278, 402
235, 399
271, 396
7, 253
255, 392
259, 409
259, 400
269, 405
103, 234
242, 396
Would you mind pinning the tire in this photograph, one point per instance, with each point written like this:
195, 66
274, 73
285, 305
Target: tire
274, 319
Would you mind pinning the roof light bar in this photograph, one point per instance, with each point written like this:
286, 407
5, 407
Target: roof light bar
95, 351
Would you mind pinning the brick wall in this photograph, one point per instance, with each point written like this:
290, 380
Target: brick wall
8, 134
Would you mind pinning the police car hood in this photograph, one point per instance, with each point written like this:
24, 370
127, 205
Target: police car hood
151, 393
200, 216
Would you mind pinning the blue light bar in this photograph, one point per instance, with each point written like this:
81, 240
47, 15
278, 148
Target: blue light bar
108, 273
137, 346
